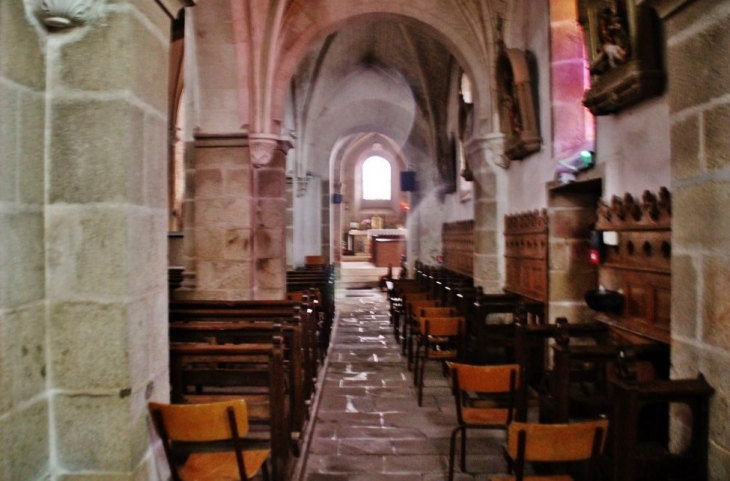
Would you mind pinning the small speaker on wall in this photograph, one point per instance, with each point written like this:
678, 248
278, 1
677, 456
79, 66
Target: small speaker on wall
408, 181
337, 198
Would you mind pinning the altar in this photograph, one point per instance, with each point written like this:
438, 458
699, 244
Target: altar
387, 246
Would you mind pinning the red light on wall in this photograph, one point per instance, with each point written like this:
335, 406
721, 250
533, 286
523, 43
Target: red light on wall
595, 257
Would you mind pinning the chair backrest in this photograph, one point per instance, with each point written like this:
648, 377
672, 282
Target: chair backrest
490, 381
556, 442
485, 379
442, 326
438, 312
417, 304
200, 422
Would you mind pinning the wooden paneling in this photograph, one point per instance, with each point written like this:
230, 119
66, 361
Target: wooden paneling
458, 246
640, 265
526, 244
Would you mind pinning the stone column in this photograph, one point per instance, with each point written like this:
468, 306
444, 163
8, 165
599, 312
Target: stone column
25, 436
218, 240
105, 239
488, 261
697, 42
268, 161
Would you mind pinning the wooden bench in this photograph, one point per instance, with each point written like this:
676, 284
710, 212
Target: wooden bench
641, 450
578, 385
323, 281
244, 322
490, 327
207, 373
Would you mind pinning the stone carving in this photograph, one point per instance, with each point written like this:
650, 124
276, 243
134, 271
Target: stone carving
623, 39
518, 119
302, 184
65, 13
262, 150
493, 147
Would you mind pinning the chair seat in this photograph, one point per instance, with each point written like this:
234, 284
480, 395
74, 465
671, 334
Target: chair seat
485, 416
222, 466
559, 477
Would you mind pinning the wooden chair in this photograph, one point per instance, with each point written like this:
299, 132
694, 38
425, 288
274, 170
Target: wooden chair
207, 442
553, 443
487, 397
440, 340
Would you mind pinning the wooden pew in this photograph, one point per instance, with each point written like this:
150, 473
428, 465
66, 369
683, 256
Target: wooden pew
490, 327
578, 384
242, 322
206, 373
650, 458
324, 282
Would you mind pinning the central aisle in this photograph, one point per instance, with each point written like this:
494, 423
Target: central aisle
367, 423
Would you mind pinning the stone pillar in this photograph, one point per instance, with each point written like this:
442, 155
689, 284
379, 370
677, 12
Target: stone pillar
218, 240
488, 261
698, 40
268, 160
572, 214
25, 436
239, 233
105, 239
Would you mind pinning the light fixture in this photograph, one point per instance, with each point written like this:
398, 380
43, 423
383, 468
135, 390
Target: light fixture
567, 168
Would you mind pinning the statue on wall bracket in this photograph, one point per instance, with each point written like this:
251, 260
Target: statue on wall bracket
624, 54
517, 113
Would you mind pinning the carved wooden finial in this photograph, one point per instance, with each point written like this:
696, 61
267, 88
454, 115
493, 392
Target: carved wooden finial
651, 212
617, 208
649, 204
626, 363
562, 337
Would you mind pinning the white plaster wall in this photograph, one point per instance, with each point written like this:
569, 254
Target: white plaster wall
634, 146
308, 222
529, 30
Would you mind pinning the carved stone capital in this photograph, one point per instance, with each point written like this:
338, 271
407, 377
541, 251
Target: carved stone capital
263, 147
490, 147
66, 13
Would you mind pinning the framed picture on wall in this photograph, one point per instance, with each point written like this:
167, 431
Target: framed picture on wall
623, 46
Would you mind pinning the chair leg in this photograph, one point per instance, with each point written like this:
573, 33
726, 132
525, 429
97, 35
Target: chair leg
463, 449
265, 471
404, 335
452, 452
409, 353
416, 362
420, 381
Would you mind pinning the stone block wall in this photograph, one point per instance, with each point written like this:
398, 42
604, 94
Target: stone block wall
572, 214
83, 227
697, 42
222, 234
488, 260
24, 402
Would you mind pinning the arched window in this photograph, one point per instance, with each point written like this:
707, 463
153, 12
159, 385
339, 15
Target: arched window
376, 178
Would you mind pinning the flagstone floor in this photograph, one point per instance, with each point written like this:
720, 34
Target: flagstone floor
366, 424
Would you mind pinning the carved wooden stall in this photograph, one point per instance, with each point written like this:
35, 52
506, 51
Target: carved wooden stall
638, 266
458, 246
526, 254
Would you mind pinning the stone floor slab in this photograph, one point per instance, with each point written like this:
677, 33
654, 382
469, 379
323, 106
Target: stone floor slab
368, 425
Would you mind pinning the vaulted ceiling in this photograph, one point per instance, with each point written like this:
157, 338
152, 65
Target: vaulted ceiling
380, 76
